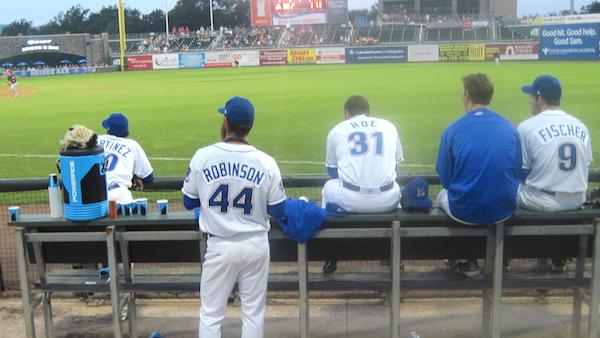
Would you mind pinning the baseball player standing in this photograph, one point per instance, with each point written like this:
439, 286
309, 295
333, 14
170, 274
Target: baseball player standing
362, 155
479, 162
127, 163
236, 187
11, 79
556, 151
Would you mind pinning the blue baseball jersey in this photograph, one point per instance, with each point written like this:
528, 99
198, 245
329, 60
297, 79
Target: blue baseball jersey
479, 163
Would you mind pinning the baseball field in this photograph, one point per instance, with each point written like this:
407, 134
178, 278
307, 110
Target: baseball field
173, 112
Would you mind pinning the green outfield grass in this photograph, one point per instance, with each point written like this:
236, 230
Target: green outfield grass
172, 113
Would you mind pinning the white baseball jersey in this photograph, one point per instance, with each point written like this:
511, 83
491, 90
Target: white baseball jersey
556, 148
234, 183
365, 150
124, 158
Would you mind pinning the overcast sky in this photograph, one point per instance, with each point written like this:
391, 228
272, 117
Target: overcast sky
41, 11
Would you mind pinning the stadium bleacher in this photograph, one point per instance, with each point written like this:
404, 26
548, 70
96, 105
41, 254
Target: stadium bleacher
389, 29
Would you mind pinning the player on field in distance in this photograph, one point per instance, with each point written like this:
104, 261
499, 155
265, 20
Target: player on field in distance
127, 163
11, 80
361, 158
236, 187
556, 151
479, 163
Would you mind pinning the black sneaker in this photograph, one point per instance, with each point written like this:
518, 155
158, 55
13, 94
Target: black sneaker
330, 266
469, 268
559, 265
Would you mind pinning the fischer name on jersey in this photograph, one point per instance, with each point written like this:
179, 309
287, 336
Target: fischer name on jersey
365, 150
124, 158
556, 147
234, 183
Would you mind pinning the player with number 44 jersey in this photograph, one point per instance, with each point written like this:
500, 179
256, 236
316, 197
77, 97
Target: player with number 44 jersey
362, 155
556, 150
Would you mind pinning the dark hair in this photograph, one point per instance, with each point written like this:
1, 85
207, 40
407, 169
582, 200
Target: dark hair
238, 130
479, 87
357, 105
550, 102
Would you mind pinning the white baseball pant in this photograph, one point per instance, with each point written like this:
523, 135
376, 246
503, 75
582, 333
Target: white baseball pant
354, 201
121, 194
532, 198
243, 258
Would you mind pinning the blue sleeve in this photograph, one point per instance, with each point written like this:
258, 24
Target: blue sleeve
445, 163
520, 173
332, 172
277, 211
190, 203
148, 178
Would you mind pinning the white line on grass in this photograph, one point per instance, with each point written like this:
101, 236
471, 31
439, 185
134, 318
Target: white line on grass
407, 165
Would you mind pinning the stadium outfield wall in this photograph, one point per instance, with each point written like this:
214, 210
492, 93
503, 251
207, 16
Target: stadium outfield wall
341, 55
557, 42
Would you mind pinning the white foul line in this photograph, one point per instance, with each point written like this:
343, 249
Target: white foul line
407, 165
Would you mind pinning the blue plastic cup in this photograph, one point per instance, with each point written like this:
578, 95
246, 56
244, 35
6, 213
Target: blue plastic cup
163, 206
14, 213
142, 206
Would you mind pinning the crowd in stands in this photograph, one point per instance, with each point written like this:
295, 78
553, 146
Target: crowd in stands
431, 21
182, 39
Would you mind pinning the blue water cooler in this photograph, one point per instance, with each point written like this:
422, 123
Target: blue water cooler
84, 184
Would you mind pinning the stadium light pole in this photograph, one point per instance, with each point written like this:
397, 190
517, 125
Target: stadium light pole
572, 7
210, 6
167, 19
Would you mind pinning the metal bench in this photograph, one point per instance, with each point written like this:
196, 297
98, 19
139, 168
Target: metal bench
393, 237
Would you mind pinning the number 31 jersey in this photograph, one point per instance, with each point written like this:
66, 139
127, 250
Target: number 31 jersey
365, 150
234, 183
556, 147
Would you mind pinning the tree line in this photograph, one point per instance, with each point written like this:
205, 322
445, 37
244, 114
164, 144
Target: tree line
192, 14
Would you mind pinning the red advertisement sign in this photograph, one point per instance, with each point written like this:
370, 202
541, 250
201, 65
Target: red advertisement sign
142, 62
273, 57
260, 13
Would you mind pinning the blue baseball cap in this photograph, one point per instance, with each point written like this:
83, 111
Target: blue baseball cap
239, 111
416, 194
546, 86
116, 124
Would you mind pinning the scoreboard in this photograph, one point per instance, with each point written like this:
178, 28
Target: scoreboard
298, 6
297, 12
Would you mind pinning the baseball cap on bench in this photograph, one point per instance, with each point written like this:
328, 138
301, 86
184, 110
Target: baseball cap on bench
546, 86
239, 111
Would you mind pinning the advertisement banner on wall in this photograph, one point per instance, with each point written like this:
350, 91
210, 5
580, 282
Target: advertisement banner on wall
376, 54
477, 52
454, 52
245, 58
273, 57
260, 13
423, 53
299, 19
165, 61
217, 59
140, 62
331, 55
191, 60
228, 58
569, 42
301, 56
518, 51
